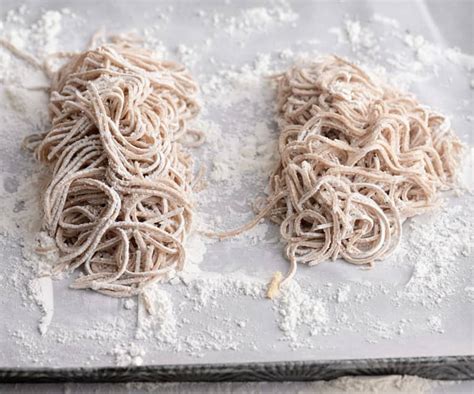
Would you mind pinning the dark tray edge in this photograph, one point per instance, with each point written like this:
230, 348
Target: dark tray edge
440, 368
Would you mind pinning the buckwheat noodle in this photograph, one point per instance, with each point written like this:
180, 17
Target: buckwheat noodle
357, 158
119, 203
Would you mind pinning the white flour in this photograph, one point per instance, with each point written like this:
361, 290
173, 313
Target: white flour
297, 308
156, 317
42, 291
202, 313
251, 20
127, 355
435, 248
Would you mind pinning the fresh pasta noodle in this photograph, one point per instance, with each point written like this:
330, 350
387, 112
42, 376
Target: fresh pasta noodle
119, 204
357, 158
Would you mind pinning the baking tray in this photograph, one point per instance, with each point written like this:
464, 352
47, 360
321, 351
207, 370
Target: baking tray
439, 368
444, 357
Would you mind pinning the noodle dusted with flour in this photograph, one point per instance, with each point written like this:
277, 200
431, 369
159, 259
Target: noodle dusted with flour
356, 160
118, 203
